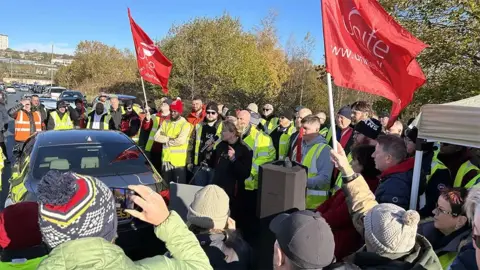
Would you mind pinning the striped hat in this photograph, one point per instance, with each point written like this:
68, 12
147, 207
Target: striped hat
73, 206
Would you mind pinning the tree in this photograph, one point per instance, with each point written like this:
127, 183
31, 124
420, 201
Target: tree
216, 59
452, 62
98, 66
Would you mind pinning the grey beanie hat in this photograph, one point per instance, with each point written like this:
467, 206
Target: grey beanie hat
389, 229
210, 208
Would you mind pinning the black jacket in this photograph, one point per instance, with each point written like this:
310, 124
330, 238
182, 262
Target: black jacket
43, 112
227, 250
51, 121
230, 175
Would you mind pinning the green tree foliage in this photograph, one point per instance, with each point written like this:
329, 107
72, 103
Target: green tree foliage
97, 66
452, 62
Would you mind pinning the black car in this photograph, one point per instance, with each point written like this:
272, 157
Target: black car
110, 156
70, 96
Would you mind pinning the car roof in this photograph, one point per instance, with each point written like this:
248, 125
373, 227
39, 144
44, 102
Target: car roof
80, 136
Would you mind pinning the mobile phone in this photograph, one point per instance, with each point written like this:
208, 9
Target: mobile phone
123, 198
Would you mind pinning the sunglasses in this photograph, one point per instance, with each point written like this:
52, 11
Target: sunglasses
266, 110
211, 112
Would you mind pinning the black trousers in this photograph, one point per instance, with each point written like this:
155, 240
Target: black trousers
177, 175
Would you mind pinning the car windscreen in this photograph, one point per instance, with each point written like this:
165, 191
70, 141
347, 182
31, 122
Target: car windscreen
57, 90
71, 95
106, 159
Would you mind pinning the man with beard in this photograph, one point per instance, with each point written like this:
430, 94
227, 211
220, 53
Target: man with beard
198, 112
98, 119
361, 110
130, 123
206, 134
60, 118
174, 135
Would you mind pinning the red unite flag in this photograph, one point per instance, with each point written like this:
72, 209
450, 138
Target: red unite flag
367, 50
153, 66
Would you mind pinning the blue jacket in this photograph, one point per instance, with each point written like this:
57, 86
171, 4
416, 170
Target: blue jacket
465, 259
395, 184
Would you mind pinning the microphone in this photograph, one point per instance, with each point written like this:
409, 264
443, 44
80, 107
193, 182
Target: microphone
209, 143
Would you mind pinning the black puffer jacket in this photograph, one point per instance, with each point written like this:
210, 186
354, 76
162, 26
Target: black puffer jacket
226, 250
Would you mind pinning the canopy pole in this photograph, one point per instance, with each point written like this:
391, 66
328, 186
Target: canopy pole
332, 112
417, 169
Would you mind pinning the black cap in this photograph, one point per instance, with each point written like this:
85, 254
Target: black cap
212, 106
62, 103
289, 114
231, 112
370, 128
305, 238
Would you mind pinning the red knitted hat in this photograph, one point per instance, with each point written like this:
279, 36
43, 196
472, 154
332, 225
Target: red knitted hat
19, 227
177, 106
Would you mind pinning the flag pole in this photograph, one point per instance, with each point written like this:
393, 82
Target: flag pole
144, 92
332, 112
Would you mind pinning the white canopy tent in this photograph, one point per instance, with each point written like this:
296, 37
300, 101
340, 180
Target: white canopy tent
455, 123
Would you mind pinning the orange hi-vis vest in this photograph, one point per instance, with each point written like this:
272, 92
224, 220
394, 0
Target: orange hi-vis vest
22, 125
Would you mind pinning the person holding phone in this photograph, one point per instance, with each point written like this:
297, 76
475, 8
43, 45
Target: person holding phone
88, 203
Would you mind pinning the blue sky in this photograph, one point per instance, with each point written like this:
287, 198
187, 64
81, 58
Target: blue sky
35, 24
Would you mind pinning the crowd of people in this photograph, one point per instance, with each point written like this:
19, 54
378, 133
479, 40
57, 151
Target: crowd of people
357, 198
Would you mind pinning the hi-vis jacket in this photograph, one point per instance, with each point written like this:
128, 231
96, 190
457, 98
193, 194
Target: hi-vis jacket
174, 135
263, 152
104, 121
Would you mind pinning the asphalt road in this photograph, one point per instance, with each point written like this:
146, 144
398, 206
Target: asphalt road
7, 171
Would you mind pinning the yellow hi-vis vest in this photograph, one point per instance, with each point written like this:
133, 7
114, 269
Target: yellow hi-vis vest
23, 265
198, 139
151, 135
339, 181
324, 132
272, 125
283, 143
263, 152
447, 259
63, 123
462, 171
104, 119
315, 195
17, 185
434, 167
328, 137
176, 155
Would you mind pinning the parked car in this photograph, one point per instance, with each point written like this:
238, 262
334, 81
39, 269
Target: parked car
55, 91
110, 156
70, 96
49, 103
24, 88
10, 90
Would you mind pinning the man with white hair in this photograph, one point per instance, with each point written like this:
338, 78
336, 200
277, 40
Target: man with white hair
269, 120
395, 129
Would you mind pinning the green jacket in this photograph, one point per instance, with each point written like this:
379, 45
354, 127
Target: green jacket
96, 253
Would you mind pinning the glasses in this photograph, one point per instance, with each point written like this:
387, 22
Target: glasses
211, 112
266, 110
438, 209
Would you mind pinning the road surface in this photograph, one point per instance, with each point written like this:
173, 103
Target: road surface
7, 171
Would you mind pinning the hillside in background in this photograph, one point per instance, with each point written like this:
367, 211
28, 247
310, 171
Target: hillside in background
40, 57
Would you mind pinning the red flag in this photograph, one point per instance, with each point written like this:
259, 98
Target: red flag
367, 50
153, 66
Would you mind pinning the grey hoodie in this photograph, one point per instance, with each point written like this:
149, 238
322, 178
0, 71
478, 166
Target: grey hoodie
324, 164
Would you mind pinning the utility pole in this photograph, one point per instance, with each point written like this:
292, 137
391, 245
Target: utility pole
51, 68
11, 67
